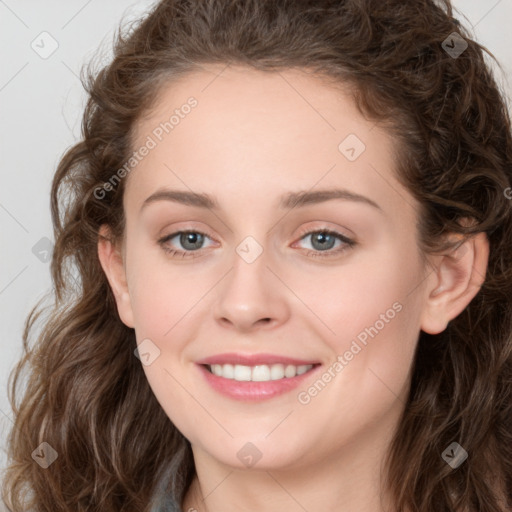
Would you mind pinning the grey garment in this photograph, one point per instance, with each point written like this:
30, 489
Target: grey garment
170, 489
167, 504
166, 500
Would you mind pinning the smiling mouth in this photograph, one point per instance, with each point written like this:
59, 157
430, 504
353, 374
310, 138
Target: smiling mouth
258, 373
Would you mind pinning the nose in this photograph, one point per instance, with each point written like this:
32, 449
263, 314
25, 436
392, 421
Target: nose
251, 297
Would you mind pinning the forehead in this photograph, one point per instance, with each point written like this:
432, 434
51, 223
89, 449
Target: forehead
254, 133
248, 98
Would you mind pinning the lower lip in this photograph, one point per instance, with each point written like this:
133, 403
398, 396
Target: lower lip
254, 391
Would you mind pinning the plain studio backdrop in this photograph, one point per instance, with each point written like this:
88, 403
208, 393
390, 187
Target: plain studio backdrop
44, 45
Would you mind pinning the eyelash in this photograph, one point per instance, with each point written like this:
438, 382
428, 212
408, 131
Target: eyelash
320, 254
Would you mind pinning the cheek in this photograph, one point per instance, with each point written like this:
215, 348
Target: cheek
376, 292
161, 294
373, 316
376, 326
163, 305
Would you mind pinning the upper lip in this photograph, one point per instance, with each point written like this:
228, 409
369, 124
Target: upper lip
254, 359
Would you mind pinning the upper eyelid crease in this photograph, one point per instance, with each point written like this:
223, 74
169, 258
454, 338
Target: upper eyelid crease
303, 234
288, 201
348, 241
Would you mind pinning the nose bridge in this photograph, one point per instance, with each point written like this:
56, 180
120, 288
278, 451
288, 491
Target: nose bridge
250, 293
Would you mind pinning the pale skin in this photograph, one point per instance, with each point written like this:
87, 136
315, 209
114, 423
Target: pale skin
252, 138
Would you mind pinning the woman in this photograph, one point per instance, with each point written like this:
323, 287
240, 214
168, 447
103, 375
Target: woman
367, 370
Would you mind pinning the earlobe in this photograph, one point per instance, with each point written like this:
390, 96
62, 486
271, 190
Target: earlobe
112, 263
457, 278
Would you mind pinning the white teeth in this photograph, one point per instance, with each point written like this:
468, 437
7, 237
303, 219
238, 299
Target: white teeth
290, 371
258, 373
302, 369
261, 373
277, 371
242, 372
228, 371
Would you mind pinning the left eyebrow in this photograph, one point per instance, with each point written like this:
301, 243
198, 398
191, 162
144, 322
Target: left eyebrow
287, 201
303, 198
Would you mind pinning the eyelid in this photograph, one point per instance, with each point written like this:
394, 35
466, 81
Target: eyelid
189, 227
173, 234
324, 229
348, 242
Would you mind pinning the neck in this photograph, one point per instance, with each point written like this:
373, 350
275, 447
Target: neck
347, 480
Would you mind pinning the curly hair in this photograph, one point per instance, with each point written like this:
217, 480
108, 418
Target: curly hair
87, 395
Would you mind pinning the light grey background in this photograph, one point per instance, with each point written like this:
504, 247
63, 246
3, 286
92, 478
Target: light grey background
41, 102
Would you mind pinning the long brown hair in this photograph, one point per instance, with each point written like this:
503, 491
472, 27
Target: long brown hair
87, 395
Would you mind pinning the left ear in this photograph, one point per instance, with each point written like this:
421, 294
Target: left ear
457, 278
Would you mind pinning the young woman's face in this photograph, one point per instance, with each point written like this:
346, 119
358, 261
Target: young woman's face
263, 288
